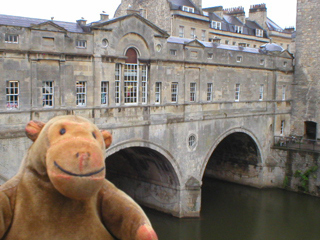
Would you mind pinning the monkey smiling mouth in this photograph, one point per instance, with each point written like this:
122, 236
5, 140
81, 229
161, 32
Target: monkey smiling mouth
78, 175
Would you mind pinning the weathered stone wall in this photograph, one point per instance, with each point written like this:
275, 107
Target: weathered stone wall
307, 70
300, 170
12, 151
167, 125
158, 12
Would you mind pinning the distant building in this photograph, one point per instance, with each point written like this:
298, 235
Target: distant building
187, 19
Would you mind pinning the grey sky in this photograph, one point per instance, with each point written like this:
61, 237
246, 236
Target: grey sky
282, 12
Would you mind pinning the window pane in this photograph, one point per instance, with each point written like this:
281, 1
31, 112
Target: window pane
144, 83
12, 94
130, 83
192, 92
117, 83
81, 93
47, 94
158, 92
104, 92
174, 92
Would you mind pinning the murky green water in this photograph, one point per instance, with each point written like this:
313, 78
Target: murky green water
235, 212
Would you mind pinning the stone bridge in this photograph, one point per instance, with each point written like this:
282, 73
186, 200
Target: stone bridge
161, 154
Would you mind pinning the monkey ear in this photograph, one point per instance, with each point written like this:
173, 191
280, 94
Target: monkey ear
107, 138
33, 129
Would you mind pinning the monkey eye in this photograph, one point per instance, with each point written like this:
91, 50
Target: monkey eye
94, 135
62, 131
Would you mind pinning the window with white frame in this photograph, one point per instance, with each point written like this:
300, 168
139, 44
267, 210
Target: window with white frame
193, 89
158, 92
188, 9
282, 127
81, 91
203, 35
104, 93
11, 38
283, 92
237, 92
47, 94
81, 44
238, 29
226, 42
239, 59
261, 92
209, 92
181, 31
130, 83
259, 32
216, 25
117, 83
174, 92
12, 95
144, 84
193, 33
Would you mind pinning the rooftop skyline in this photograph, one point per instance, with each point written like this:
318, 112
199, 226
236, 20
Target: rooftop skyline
72, 10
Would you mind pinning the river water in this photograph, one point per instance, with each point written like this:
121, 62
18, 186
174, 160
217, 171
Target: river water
236, 212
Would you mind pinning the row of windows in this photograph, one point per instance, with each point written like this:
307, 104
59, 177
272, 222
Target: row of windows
237, 29
130, 93
14, 38
130, 79
12, 94
192, 33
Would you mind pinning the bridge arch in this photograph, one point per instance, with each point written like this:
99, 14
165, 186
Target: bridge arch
243, 165
146, 172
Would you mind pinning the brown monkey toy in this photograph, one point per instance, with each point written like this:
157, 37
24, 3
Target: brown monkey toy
60, 191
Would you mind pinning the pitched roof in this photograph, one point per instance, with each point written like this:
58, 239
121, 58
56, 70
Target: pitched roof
272, 26
178, 40
9, 20
178, 4
107, 22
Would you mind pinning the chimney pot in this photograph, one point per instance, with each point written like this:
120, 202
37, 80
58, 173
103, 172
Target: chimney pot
104, 16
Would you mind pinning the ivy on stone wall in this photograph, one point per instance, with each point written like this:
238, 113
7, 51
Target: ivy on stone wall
305, 177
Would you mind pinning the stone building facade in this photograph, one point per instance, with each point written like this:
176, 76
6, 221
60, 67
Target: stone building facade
306, 113
168, 101
187, 19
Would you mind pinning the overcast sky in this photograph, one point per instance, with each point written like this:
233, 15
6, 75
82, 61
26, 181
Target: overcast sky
283, 12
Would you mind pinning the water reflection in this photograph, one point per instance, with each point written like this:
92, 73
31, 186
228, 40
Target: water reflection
235, 212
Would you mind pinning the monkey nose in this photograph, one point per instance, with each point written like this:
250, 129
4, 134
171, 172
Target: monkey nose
83, 158
83, 155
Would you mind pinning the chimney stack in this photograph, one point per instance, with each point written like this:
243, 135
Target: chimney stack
258, 13
217, 10
236, 12
82, 22
104, 16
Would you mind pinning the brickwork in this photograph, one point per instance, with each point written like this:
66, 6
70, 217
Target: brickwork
158, 12
307, 71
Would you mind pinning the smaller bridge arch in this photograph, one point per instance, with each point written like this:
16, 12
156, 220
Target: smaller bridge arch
146, 172
235, 156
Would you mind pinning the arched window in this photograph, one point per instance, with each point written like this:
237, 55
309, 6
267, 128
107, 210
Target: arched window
133, 79
132, 56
